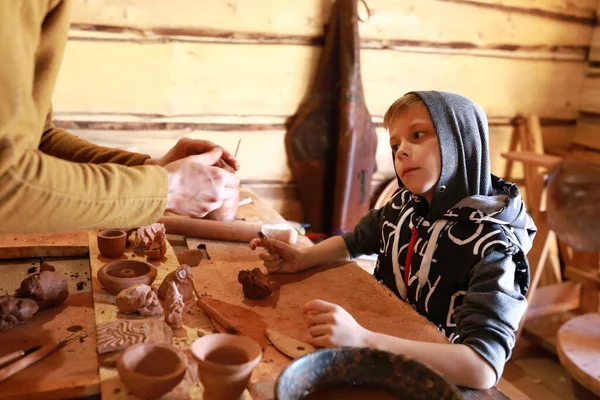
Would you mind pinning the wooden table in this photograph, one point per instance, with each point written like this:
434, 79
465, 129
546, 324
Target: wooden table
78, 373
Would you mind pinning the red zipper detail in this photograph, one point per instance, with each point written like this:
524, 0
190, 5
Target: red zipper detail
409, 254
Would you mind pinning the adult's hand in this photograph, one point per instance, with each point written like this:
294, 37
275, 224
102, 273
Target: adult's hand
186, 147
196, 187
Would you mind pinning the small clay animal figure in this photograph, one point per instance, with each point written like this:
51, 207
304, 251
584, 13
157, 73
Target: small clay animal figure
255, 284
183, 277
14, 311
151, 240
174, 306
47, 288
139, 298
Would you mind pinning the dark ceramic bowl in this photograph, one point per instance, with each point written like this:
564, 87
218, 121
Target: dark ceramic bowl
400, 376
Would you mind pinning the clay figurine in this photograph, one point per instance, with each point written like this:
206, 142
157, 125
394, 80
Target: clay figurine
151, 240
47, 288
139, 298
174, 306
255, 284
183, 277
14, 311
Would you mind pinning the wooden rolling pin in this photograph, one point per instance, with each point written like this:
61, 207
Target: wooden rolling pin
237, 231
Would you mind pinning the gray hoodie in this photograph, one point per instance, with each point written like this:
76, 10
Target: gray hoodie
469, 272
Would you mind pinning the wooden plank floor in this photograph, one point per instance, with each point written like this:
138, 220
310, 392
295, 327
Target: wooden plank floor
538, 373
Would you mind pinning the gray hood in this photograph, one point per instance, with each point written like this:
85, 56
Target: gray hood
462, 130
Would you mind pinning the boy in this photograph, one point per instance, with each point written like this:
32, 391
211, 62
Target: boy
451, 242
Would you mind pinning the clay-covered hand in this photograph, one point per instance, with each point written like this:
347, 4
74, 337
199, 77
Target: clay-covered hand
196, 187
186, 147
332, 326
284, 260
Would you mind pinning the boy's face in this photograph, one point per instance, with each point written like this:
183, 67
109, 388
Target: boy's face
414, 142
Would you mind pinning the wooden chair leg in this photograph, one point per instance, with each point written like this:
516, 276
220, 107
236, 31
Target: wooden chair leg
512, 147
537, 260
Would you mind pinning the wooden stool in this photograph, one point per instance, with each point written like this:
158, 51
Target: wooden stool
579, 349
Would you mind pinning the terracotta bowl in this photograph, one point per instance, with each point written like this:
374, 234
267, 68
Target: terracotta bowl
121, 274
112, 243
150, 370
225, 364
347, 369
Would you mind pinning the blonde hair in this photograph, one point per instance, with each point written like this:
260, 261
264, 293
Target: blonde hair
403, 103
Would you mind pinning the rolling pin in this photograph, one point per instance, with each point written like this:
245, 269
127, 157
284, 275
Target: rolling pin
237, 231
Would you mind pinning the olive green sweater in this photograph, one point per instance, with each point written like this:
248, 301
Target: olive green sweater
51, 180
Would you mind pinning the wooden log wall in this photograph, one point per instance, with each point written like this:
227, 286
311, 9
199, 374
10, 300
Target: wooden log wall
588, 124
141, 74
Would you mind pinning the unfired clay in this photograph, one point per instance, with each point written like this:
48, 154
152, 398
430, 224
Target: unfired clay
14, 311
151, 240
47, 288
183, 277
191, 257
112, 243
174, 306
139, 298
151, 370
255, 284
225, 364
121, 274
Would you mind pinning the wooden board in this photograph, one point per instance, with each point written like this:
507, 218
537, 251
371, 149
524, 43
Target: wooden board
205, 79
583, 8
372, 305
60, 244
273, 165
105, 310
68, 372
579, 349
410, 20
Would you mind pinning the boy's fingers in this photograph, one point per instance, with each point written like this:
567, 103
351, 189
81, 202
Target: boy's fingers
265, 256
324, 318
318, 305
320, 330
273, 264
322, 341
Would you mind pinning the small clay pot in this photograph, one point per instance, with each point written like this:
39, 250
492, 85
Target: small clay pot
121, 274
150, 370
225, 364
112, 243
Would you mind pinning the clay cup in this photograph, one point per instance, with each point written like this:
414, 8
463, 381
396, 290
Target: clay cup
112, 243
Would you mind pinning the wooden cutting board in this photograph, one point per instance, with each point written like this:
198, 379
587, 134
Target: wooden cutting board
371, 303
69, 372
60, 244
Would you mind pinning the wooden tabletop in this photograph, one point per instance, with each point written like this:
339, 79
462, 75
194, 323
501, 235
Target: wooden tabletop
75, 373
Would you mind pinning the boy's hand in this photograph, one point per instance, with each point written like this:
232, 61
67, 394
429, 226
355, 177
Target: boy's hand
284, 260
332, 326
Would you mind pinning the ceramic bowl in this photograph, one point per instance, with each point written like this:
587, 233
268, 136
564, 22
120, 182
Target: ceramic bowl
350, 367
150, 370
112, 243
121, 274
225, 364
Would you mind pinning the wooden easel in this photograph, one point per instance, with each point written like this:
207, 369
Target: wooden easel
527, 136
